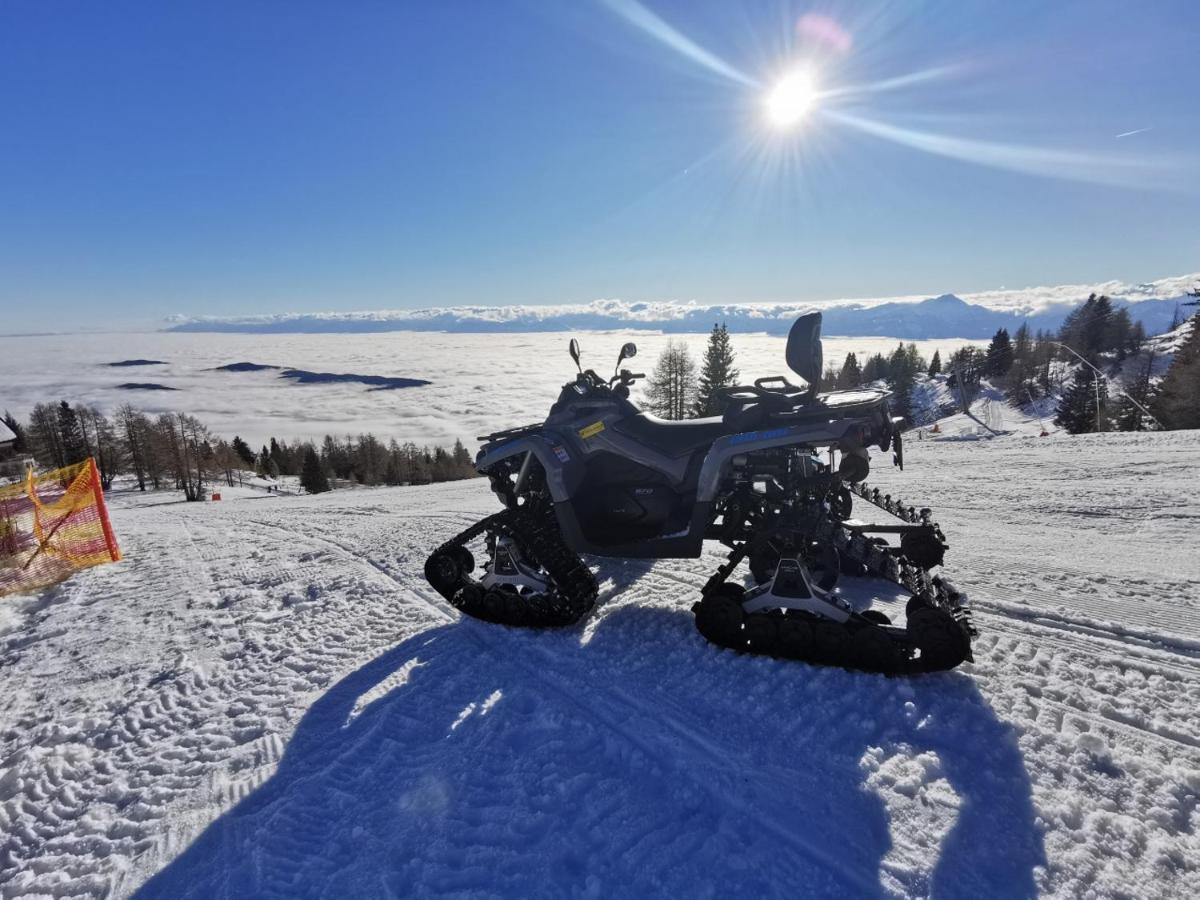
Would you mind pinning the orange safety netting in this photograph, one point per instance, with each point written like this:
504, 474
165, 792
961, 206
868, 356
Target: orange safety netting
51, 525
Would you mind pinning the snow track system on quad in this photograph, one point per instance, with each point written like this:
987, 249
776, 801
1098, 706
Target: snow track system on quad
937, 635
533, 579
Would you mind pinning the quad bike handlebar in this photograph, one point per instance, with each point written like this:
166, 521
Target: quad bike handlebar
589, 381
593, 382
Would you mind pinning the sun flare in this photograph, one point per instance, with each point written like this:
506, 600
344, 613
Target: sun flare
791, 99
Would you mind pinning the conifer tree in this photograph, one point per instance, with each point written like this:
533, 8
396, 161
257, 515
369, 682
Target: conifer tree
935, 366
875, 369
1128, 414
1178, 400
19, 445
999, 354
312, 477
1077, 411
242, 449
671, 388
903, 367
851, 375
716, 371
278, 458
1022, 377
462, 458
829, 378
71, 435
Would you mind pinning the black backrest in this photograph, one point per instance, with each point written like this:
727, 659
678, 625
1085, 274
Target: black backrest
804, 349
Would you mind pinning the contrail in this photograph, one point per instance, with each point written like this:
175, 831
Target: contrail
637, 15
1065, 164
1135, 131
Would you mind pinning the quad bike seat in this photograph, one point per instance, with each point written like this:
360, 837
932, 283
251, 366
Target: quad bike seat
770, 399
674, 438
752, 406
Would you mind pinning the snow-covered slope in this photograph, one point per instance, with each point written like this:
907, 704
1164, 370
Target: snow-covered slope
266, 698
936, 405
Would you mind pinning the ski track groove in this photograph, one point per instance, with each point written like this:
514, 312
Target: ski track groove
751, 809
247, 621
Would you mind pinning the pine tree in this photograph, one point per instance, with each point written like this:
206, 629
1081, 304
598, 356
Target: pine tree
829, 378
671, 388
1089, 329
851, 375
1178, 400
1119, 333
1021, 380
278, 457
312, 477
1137, 336
875, 369
462, 460
935, 367
1077, 410
71, 435
999, 354
1128, 415
19, 445
716, 372
242, 449
903, 367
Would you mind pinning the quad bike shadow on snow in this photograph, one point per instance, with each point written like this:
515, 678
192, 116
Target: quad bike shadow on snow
774, 478
615, 760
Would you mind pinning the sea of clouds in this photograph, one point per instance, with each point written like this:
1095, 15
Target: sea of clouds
480, 383
977, 315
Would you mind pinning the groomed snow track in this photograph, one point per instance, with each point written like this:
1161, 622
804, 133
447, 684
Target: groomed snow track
266, 699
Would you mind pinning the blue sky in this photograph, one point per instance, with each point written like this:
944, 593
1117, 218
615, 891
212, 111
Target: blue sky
225, 158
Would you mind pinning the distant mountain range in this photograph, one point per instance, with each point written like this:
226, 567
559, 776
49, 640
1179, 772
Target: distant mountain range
912, 318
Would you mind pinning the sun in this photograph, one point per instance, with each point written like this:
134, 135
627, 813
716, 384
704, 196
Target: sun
791, 99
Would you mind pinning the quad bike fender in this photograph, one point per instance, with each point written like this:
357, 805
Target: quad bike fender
842, 433
559, 462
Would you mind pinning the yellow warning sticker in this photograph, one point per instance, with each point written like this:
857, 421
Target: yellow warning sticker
592, 430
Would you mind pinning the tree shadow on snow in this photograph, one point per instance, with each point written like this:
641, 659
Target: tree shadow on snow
625, 758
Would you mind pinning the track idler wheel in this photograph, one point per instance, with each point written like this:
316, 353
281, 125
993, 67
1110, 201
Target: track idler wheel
922, 548
841, 504
495, 605
719, 616
445, 569
941, 639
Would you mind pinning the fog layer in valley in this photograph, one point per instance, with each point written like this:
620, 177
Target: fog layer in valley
480, 382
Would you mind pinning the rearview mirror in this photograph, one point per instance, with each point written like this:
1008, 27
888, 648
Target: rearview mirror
628, 351
573, 347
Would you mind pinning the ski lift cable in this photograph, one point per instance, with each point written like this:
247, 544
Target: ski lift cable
1109, 382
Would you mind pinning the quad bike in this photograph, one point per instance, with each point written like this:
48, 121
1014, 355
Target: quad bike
604, 478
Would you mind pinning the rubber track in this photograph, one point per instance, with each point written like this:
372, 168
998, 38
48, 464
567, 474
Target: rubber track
574, 587
857, 644
942, 633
